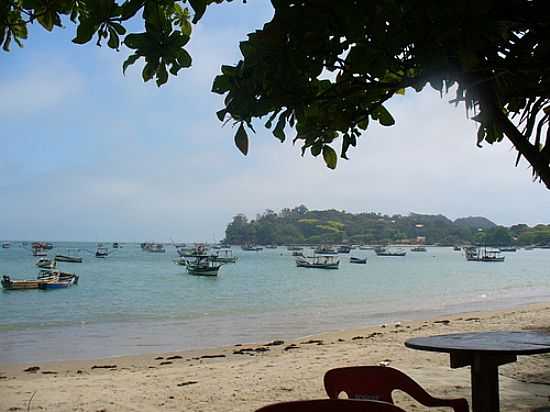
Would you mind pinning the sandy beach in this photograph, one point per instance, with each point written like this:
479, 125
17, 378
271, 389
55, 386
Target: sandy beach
247, 376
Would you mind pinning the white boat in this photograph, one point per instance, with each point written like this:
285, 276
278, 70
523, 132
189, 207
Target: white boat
45, 263
318, 262
102, 252
482, 254
202, 265
225, 256
382, 251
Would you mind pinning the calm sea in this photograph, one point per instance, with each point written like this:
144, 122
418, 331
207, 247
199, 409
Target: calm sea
137, 302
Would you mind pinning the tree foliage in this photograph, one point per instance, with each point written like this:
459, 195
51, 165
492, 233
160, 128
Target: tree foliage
302, 226
326, 69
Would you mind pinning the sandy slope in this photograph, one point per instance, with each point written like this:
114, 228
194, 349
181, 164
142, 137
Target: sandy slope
244, 382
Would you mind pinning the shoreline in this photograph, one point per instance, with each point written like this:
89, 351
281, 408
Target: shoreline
167, 336
249, 375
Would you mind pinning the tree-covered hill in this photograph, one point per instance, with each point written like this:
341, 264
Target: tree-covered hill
302, 226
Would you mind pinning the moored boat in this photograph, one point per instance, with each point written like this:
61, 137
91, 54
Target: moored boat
69, 259
357, 260
251, 248
479, 254
202, 265
101, 252
325, 250
225, 256
318, 262
45, 263
344, 249
382, 251
60, 279
419, 249
508, 249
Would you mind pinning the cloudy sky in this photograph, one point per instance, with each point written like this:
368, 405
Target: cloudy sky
90, 154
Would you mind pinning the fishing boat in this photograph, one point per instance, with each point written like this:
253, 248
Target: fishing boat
202, 265
457, 248
116, 245
357, 260
326, 250
344, 249
101, 252
294, 248
199, 249
271, 246
37, 252
251, 248
42, 245
154, 248
6, 245
508, 249
366, 247
225, 256
45, 263
69, 259
59, 283
297, 253
482, 254
419, 249
382, 251
318, 262
45, 277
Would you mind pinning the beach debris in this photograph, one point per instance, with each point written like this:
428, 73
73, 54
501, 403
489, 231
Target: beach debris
443, 322
243, 351
260, 349
383, 325
474, 319
165, 363
79, 371
312, 341
49, 373
174, 357
238, 344
187, 383
170, 397
212, 356
159, 358
397, 324
385, 362
32, 369
152, 367
341, 340
15, 408
3, 377
282, 388
275, 343
104, 367
291, 346
357, 337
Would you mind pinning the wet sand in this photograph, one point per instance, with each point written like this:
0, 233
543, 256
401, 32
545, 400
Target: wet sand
247, 376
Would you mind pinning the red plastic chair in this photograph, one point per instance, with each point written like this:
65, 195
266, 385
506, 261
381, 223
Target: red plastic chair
331, 405
378, 383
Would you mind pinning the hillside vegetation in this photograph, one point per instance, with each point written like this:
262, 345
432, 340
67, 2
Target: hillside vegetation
302, 226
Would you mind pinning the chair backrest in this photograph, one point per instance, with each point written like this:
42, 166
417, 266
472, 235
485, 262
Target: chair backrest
331, 405
378, 383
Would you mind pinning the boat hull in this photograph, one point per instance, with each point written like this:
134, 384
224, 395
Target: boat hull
68, 259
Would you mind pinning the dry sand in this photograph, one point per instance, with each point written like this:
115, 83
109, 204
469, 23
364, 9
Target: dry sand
293, 370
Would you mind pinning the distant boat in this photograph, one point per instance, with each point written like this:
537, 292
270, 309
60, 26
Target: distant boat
198, 249
38, 252
297, 253
102, 252
225, 256
202, 265
419, 249
116, 245
344, 249
457, 248
251, 248
508, 249
294, 248
318, 262
42, 245
325, 250
271, 247
360, 261
45, 263
366, 247
382, 251
478, 254
154, 247
69, 259
6, 245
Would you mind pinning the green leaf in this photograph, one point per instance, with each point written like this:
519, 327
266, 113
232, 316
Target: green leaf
113, 42
199, 6
279, 131
330, 156
383, 116
136, 40
149, 70
162, 74
85, 31
316, 149
129, 61
119, 28
130, 7
221, 114
221, 84
241, 140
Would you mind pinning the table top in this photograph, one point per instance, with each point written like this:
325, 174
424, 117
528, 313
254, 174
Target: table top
511, 342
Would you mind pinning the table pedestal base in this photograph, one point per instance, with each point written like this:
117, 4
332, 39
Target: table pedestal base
484, 370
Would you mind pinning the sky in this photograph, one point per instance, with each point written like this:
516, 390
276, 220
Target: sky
90, 154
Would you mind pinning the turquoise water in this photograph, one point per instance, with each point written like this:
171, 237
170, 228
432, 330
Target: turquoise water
136, 302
